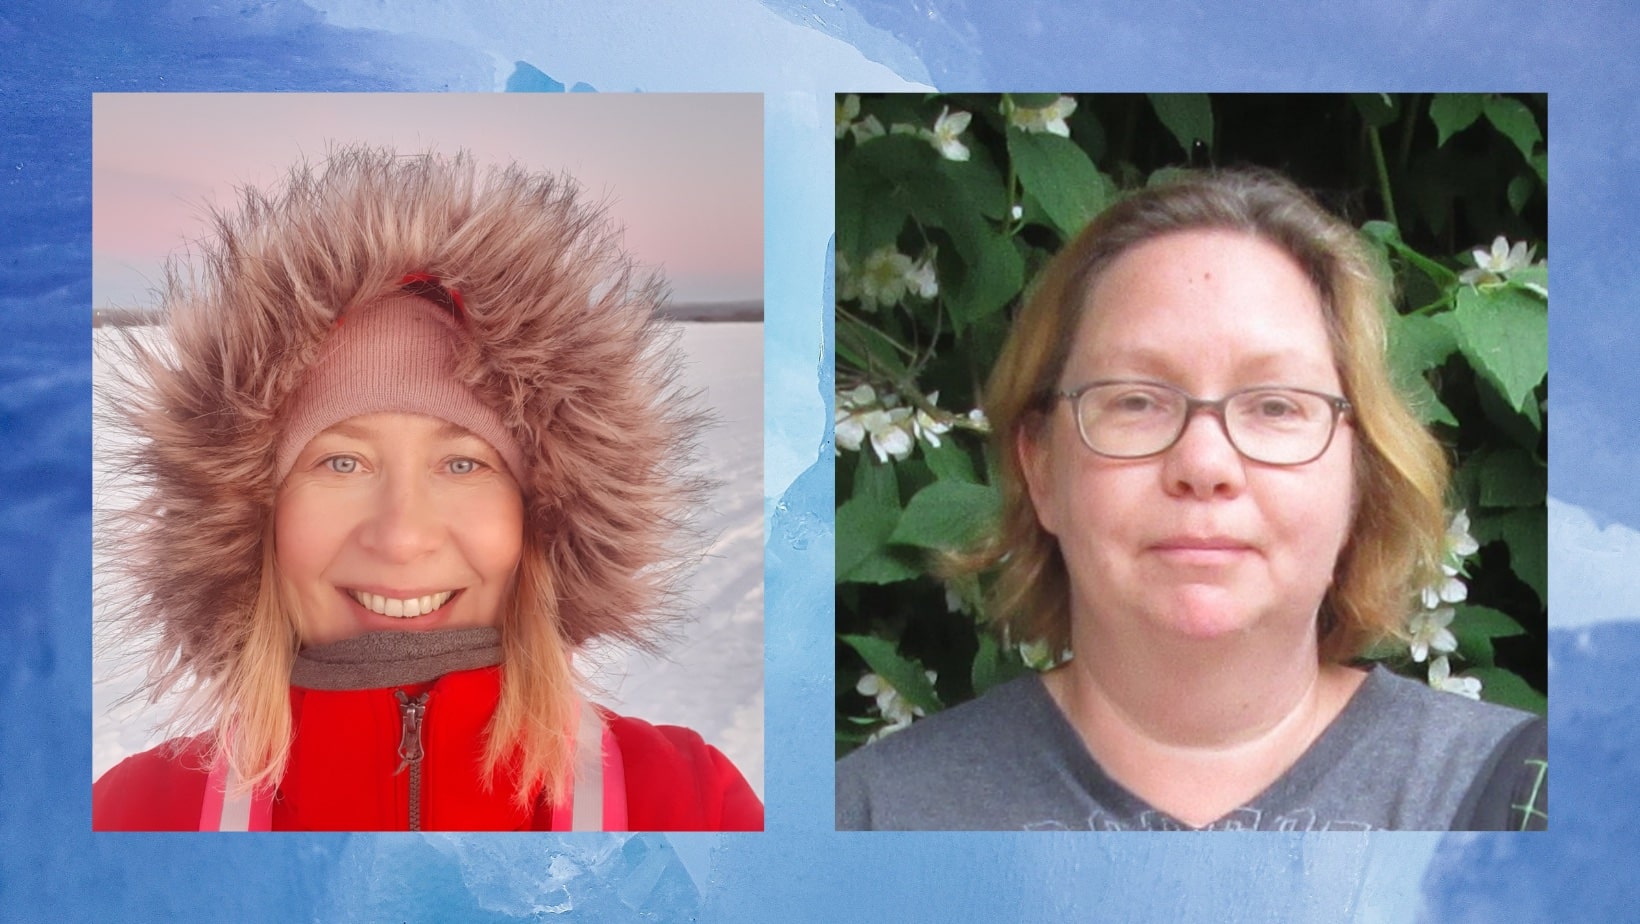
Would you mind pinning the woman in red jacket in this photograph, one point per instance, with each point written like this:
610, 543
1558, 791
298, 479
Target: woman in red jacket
412, 440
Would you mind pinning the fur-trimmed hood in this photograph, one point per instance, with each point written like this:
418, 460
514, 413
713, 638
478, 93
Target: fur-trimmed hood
565, 340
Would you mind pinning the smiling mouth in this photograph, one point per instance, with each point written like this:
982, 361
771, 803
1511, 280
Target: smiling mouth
408, 608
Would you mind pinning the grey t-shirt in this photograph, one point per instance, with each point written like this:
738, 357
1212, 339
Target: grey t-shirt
1399, 756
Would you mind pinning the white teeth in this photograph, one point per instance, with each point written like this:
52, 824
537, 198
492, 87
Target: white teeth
401, 609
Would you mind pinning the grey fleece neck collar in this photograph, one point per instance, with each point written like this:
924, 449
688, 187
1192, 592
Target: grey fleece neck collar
384, 659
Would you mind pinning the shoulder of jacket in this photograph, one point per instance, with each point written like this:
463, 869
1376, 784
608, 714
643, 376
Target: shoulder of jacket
160, 789
675, 781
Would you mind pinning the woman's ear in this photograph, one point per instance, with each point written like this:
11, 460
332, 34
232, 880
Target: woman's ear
1033, 456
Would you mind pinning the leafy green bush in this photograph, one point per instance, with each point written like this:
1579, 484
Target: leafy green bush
948, 205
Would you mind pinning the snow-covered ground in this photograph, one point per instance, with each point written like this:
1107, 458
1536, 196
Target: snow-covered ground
709, 679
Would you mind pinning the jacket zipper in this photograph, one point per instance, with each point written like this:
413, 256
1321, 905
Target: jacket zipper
412, 712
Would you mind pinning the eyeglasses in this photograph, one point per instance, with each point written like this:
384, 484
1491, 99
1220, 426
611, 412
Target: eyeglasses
1271, 425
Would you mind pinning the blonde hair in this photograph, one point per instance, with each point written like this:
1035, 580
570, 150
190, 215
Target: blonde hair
565, 338
529, 737
1395, 541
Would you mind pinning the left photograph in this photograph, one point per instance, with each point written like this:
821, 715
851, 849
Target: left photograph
428, 462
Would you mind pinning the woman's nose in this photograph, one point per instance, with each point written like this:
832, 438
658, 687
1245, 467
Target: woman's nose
1203, 462
404, 523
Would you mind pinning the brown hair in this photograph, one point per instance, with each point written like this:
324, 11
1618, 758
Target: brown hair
1400, 470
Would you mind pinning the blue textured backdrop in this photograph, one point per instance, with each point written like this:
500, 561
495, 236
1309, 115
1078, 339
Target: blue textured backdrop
799, 53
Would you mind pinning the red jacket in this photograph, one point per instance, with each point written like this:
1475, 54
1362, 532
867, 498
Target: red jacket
344, 771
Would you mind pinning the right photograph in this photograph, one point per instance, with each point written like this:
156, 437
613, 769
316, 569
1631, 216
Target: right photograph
1191, 461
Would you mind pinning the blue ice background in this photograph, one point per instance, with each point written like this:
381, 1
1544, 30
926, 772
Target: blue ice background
798, 53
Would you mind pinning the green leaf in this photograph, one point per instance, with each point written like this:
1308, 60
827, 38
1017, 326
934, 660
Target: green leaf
1389, 236
1504, 333
1512, 478
994, 275
1515, 122
947, 515
1525, 531
1535, 275
1061, 177
948, 461
1540, 165
1377, 109
980, 178
993, 665
1425, 403
863, 528
1475, 627
1033, 100
1454, 112
866, 180
876, 482
1520, 189
902, 673
864, 523
884, 567
1189, 116
1508, 689
1419, 343
865, 346
1484, 621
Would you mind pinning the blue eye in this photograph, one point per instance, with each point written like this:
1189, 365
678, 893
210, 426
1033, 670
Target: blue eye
463, 466
341, 465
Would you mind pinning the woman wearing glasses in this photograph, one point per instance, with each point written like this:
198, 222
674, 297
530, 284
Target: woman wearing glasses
1215, 500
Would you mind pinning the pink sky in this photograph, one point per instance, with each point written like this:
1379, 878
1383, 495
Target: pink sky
682, 172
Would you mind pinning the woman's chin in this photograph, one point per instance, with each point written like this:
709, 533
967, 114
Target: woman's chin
1205, 615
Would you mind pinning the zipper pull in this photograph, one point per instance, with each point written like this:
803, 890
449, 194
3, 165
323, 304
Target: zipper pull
411, 713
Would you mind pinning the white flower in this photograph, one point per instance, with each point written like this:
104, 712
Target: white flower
849, 121
890, 704
861, 413
888, 276
868, 128
944, 137
925, 427
1037, 655
1495, 265
1049, 118
1459, 544
1449, 590
978, 420
1017, 212
922, 279
849, 428
1440, 677
1430, 633
890, 430
848, 109
884, 278
848, 287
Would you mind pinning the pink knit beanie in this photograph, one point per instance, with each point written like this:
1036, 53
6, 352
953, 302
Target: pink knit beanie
392, 355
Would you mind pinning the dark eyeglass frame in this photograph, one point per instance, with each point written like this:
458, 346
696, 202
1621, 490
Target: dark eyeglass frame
1340, 406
